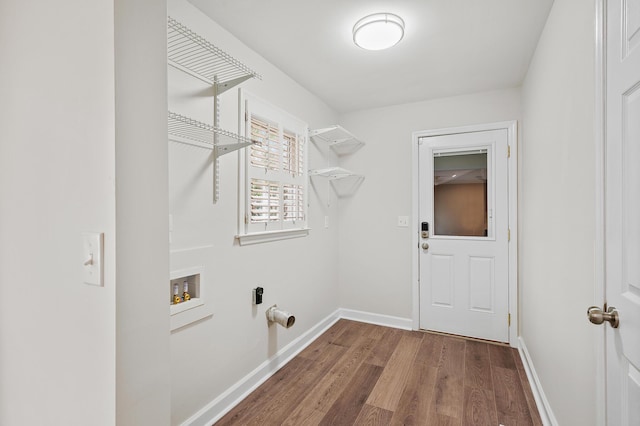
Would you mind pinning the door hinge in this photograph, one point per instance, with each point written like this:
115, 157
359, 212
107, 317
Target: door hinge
508, 151
246, 116
509, 320
509, 235
246, 219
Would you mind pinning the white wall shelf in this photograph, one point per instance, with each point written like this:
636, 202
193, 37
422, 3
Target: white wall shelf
196, 56
187, 130
334, 173
341, 141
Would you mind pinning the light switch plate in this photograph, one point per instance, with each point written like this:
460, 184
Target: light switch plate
92, 260
403, 221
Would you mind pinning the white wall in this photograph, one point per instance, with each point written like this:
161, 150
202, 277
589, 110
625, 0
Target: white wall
209, 356
558, 207
142, 225
375, 254
57, 168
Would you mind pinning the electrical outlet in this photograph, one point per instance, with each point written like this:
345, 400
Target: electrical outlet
403, 221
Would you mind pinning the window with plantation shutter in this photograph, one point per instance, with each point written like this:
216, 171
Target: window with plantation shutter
273, 173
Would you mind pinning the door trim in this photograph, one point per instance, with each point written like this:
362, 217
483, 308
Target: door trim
599, 255
512, 164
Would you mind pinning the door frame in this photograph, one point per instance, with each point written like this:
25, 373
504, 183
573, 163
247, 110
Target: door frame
599, 227
512, 176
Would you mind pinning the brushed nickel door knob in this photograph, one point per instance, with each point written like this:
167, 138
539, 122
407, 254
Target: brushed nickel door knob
597, 316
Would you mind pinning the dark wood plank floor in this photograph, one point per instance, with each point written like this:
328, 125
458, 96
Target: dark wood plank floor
363, 374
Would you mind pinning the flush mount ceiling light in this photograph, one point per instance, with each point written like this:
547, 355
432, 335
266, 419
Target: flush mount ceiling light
378, 31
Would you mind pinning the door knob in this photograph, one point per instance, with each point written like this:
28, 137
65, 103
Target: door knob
597, 316
425, 246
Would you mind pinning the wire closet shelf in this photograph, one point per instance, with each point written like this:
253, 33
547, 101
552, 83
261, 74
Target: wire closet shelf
185, 129
341, 141
195, 55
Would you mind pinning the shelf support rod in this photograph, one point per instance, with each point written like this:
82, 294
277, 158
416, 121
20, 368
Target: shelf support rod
216, 124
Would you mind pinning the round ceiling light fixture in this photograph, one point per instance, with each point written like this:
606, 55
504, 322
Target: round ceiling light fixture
378, 31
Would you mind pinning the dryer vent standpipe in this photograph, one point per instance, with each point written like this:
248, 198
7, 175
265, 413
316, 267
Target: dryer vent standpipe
285, 319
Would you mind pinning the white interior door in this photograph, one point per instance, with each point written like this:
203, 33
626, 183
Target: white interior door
464, 261
622, 210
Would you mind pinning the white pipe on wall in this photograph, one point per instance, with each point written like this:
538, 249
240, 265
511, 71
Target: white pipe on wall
284, 318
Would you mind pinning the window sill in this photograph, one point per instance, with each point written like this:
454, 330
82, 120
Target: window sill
266, 237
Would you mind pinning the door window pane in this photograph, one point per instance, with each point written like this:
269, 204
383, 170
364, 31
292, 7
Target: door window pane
460, 193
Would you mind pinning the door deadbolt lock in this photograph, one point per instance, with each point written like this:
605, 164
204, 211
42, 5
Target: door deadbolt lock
597, 316
424, 230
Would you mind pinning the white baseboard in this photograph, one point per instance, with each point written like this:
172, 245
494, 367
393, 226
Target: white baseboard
378, 319
546, 414
220, 406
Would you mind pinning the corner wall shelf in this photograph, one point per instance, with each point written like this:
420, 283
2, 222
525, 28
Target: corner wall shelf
340, 140
334, 173
196, 56
344, 182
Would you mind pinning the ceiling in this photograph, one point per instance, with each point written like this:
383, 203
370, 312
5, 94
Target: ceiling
450, 47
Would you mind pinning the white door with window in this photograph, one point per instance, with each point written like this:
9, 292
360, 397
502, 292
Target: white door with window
622, 210
464, 234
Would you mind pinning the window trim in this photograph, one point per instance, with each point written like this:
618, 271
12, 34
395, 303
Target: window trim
245, 234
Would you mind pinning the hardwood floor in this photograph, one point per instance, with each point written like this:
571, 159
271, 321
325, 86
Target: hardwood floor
363, 374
